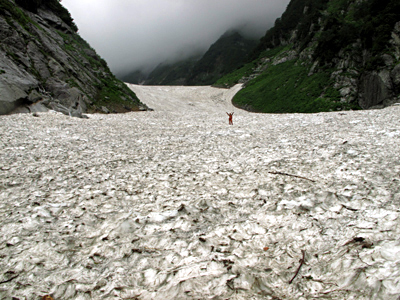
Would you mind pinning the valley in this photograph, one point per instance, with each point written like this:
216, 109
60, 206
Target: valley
177, 204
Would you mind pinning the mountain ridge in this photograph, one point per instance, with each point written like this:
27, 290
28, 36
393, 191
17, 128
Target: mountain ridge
45, 63
343, 55
226, 54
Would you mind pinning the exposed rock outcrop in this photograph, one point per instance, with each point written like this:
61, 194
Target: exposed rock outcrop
374, 89
43, 59
355, 43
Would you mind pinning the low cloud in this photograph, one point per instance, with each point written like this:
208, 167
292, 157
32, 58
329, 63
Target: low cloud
132, 34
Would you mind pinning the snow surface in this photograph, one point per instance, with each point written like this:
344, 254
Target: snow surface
177, 204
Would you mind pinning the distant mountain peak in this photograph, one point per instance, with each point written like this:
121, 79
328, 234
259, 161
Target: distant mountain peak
226, 54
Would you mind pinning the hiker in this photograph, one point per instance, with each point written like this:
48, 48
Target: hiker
230, 118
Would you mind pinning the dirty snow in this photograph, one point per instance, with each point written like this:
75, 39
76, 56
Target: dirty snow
177, 204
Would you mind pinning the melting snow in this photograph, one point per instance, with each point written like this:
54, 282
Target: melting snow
177, 204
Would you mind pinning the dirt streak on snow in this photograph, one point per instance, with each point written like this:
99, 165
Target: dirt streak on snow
177, 204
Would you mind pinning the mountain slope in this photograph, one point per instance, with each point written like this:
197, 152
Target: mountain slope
228, 53
43, 59
136, 76
324, 55
172, 73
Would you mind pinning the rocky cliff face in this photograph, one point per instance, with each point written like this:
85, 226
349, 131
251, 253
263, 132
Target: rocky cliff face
355, 44
376, 86
44, 64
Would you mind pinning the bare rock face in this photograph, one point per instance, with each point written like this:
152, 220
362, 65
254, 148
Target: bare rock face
15, 84
380, 87
395, 75
373, 90
42, 59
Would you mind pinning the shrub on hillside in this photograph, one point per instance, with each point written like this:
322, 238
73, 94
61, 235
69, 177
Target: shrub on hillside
31, 5
53, 5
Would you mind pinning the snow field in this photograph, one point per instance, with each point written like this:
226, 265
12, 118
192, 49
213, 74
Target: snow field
177, 204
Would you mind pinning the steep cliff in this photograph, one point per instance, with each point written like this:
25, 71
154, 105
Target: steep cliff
325, 55
44, 63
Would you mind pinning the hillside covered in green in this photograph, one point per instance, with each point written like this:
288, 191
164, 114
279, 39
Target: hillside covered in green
324, 55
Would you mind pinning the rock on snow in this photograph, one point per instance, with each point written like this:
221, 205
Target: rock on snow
177, 204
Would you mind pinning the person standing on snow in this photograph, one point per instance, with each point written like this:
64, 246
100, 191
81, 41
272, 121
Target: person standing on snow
230, 118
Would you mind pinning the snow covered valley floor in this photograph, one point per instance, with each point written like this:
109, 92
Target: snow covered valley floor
177, 204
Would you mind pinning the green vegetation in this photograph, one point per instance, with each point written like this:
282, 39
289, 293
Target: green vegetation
349, 21
344, 22
72, 83
114, 94
328, 31
248, 69
33, 5
111, 92
53, 5
233, 78
61, 11
77, 46
299, 14
228, 53
13, 56
2, 71
287, 88
108, 92
15, 11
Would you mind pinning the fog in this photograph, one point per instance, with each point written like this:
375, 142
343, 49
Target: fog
139, 34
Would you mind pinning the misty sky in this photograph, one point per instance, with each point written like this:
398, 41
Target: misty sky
132, 34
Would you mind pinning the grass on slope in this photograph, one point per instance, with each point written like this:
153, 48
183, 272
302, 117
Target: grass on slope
287, 88
234, 77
